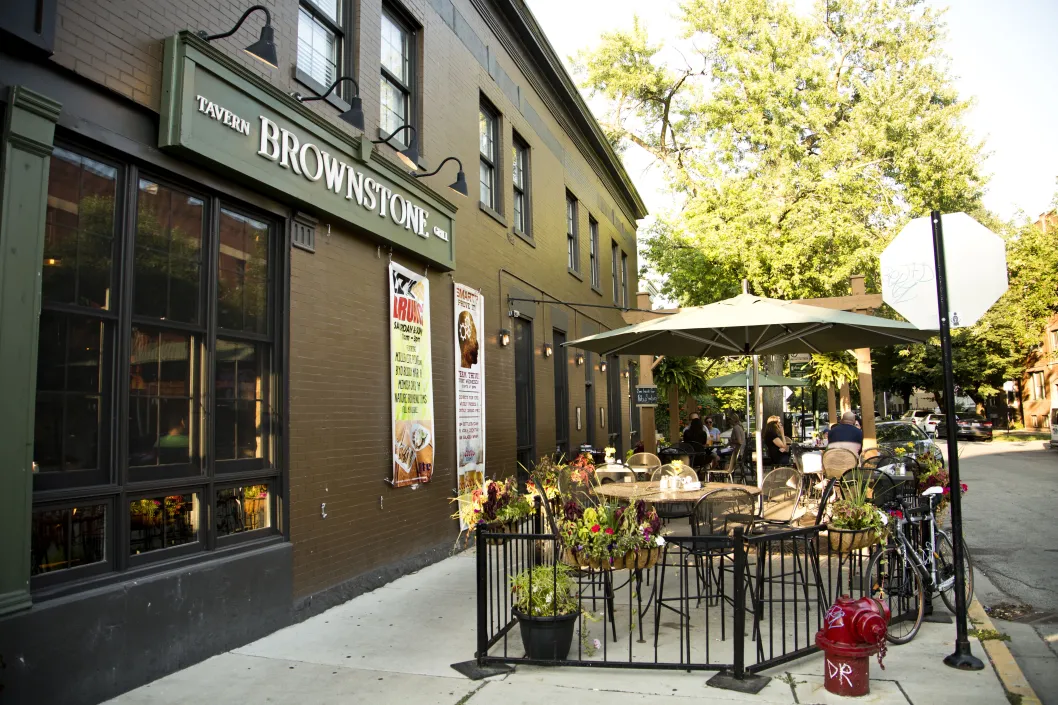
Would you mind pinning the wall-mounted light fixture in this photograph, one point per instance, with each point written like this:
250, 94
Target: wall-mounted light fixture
548, 350
460, 185
505, 337
580, 359
410, 154
264, 49
354, 115
602, 367
626, 375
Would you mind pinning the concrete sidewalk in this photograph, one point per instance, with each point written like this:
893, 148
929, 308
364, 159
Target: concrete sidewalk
397, 644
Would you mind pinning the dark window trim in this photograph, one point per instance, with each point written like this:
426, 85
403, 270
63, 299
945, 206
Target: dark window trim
84, 572
574, 235
492, 162
344, 30
523, 149
624, 279
405, 21
498, 217
595, 271
117, 490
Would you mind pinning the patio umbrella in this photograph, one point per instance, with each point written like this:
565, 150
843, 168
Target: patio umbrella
752, 325
742, 378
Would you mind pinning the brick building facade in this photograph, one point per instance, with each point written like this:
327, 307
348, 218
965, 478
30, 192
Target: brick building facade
197, 431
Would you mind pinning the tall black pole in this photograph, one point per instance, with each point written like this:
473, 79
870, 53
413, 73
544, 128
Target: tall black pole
961, 658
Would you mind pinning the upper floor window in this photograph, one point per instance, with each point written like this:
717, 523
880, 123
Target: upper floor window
615, 254
1039, 386
520, 161
593, 247
320, 40
572, 254
488, 131
1054, 341
398, 74
624, 280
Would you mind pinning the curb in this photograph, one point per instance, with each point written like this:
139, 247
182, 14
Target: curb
1003, 662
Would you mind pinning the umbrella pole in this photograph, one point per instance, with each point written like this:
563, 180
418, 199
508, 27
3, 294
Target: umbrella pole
757, 410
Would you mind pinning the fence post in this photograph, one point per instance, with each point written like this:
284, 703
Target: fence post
740, 604
481, 554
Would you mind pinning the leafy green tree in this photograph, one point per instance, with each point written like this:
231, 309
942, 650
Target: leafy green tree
796, 145
676, 375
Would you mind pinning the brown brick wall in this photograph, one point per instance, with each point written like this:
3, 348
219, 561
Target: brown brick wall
339, 408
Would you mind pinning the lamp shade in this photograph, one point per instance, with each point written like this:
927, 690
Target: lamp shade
264, 49
460, 185
355, 114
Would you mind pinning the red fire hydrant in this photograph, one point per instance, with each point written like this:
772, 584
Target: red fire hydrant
853, 630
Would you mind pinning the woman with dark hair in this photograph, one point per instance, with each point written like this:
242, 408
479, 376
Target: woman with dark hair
776, 443
696, 432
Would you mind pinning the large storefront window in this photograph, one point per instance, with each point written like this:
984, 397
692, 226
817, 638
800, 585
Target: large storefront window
156, 371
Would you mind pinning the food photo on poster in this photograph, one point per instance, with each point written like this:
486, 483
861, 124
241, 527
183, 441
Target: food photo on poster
411, 377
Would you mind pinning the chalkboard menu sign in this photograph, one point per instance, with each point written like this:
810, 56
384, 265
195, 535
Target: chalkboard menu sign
646, 395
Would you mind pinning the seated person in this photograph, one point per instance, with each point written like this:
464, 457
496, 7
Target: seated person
695, 433
846, 434
714, 433
776, 445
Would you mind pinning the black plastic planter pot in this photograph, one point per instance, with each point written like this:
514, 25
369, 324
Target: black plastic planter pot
546, 638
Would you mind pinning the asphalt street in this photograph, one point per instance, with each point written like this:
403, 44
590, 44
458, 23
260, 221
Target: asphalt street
1012, 531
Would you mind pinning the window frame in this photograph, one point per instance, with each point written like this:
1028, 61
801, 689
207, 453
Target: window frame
572, 235
593, 255
397, 16
345, 61
520, 153
624, 279
117, 483
490, 162
615, 251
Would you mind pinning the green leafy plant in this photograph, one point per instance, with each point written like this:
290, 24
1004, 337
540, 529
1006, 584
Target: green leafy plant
545, 591
854, 511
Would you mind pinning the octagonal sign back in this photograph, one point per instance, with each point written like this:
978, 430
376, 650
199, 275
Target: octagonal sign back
975, 263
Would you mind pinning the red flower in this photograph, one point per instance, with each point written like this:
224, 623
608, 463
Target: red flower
962, 486
609, 531
595, 529
947, 490
896, 514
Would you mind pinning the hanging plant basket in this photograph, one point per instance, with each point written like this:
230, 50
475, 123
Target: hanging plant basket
642, 559
497, 528
849, 540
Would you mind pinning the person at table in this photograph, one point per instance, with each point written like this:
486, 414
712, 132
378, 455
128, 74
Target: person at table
846, 434
690, 422
738, 436
713, 431
776, 443
696, 432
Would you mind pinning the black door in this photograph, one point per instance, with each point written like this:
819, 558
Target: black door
613, 404
524, 402
561, 355
589, 399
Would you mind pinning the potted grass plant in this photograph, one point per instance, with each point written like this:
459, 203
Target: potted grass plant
546, 606
855, 522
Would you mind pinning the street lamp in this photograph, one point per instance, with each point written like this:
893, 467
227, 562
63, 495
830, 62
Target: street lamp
354, 115
264, 49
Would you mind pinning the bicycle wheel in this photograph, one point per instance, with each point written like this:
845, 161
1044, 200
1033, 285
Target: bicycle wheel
945, 557
898, 583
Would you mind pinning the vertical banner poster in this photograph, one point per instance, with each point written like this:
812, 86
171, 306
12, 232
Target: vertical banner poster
470, 388
411, 377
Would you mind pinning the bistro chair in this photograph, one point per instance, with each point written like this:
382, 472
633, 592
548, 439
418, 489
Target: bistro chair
700, 456
876, 452
667, 511
780, 499
726, 473
671, 471
644, 463
709, 539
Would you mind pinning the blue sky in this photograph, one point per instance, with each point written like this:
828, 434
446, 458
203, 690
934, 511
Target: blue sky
1001, 55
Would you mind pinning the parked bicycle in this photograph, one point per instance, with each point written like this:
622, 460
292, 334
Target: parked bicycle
918, 561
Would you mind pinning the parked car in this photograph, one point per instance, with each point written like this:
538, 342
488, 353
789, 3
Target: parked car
929, 424
969, 426
897, 434
916, 416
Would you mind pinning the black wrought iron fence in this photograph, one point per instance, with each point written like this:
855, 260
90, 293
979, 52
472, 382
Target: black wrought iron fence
742, 603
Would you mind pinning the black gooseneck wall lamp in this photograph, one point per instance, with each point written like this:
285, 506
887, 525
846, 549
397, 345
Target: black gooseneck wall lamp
264, 49
460, 185
354, 115
410, 154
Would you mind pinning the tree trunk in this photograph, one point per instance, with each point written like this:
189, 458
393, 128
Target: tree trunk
772, 403
832, 405
674, 414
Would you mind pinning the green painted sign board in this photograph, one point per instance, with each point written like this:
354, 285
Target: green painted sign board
217, 112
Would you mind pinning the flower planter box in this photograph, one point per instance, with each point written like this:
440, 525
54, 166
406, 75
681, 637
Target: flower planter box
849, 540
633, 560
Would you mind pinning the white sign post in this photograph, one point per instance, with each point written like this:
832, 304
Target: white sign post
976, 264
945, 285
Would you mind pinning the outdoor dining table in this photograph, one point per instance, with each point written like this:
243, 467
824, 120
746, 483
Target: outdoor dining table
652, 492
